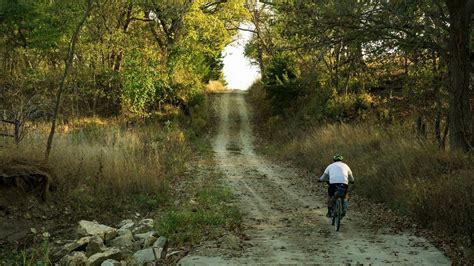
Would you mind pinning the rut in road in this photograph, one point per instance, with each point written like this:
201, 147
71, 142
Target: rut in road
284, 220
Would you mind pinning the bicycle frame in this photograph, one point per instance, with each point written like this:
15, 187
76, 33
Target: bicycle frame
337, 212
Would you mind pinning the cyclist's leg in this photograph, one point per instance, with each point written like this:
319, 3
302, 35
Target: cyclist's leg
331, 191
344, 200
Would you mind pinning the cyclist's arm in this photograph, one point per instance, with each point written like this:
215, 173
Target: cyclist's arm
351, 177
324, 177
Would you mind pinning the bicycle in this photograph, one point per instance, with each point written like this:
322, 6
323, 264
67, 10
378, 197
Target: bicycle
339, 208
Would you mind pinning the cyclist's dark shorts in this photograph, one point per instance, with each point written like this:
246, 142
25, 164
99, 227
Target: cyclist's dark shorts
332, 188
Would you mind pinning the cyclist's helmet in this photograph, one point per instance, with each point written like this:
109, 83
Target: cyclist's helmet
337, 157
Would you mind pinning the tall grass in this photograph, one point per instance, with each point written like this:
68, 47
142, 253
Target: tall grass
100, 162
393, 167
390, 163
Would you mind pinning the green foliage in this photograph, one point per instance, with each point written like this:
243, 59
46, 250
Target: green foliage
281, 82
152, 201
206, 214
38, 25
337, 53
38, 254
349, 106
133, 57
139, 80
210, 213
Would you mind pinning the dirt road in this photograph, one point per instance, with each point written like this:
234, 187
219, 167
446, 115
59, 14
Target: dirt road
284, 221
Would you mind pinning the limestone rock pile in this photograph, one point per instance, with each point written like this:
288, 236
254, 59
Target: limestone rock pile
130, 243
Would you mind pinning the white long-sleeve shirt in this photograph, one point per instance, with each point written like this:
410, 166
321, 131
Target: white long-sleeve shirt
337, 173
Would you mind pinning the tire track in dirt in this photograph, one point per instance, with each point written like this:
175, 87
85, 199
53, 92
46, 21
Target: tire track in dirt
283, 219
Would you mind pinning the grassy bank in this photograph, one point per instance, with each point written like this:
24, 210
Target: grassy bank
104, 171
391, 165
203, 206
100, 164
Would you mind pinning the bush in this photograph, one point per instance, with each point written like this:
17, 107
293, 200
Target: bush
282, 85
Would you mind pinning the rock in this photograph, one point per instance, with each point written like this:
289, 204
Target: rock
73, 259
92, 228
126, 224
149, 241
148, 222
79, 244
96, 245
144, 225
110, 262
98, 258
162, 243
173, 253
146, 235
147, 238
123, 231
160, 253
147, 255
141, 229
125, 239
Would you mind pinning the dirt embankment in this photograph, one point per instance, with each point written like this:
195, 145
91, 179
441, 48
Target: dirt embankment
284, 220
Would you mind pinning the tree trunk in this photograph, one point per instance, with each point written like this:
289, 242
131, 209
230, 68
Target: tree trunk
459, 71
69, 61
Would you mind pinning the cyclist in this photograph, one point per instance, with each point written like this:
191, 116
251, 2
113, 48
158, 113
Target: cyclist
336, 174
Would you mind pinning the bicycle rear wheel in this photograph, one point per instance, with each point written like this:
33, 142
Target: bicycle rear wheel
337, 214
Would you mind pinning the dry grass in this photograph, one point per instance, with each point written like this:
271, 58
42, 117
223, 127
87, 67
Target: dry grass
98, 162
394, 167
391, 164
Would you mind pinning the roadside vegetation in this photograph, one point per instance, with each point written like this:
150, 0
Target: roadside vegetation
392, 166
370, 80
102, 105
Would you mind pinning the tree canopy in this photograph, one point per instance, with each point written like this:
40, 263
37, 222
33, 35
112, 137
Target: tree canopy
419, 51
130, 56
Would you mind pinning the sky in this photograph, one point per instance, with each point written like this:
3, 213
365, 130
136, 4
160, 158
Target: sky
239, 73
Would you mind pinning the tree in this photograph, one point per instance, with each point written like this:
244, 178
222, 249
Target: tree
68, 65
460, 12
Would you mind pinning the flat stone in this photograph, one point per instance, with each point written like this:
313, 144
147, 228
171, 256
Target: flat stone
144, 256
98, 258
162, 243
110, 262
173, 253
73, 259
143, 226
123, 231
79, 244
146, 235
160, 253
124, 222
148, 242
147, 238
125, 239
148, 222
96, 245
87, 228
